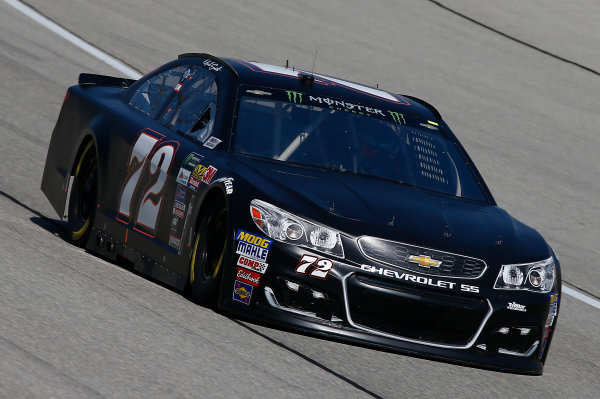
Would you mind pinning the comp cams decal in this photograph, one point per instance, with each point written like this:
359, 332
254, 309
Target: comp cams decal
251, 264
419, 279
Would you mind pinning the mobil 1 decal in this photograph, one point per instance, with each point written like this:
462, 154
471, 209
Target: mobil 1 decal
146, 171
252, 246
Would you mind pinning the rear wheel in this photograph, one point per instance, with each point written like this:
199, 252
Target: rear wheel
206, 265
84, 196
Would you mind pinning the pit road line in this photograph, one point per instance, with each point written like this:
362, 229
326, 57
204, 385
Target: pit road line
132, 73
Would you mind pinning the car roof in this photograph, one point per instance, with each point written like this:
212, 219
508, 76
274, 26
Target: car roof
326, 87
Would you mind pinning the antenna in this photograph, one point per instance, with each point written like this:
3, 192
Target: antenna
287, 64
314, 62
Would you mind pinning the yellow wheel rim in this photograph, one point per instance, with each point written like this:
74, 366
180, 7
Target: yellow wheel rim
193, 264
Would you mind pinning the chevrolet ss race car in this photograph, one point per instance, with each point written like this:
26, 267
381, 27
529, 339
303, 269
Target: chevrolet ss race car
306, 201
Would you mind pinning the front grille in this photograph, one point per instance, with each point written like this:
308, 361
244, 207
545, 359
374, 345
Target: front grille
403, 312
396, 254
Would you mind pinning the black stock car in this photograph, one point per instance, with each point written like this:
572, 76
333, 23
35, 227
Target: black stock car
308, 201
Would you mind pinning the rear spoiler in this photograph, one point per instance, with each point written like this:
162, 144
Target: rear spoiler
102, 80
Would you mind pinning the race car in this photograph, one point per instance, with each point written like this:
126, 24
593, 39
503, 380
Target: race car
305, 201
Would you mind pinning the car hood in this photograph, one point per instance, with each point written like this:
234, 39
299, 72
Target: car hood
361, 205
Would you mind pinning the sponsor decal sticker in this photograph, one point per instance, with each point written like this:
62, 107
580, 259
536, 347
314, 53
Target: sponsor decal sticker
212, 142
294, 96
345, 106
516, 306
397, 117
179, 205
183, 176
175, 242
420, 279
212, 65
194, 183
552, 309
252, 251
251, 264
248, 276
253, 239
192, 160
242, 292
209, 174
180, 194
178, 212
544, 341
199, 171
252, 246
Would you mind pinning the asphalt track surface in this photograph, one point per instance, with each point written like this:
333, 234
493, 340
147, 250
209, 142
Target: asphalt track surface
517, 82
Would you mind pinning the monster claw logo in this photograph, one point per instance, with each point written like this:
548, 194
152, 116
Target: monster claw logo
294, 96
397, 117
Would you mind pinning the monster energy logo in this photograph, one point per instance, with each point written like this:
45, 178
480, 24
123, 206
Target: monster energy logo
293, 96
397, 117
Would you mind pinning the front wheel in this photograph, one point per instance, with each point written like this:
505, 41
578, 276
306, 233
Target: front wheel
84, 196
206, 265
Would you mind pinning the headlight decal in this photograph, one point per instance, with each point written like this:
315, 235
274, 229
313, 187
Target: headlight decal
291, 229
535, 276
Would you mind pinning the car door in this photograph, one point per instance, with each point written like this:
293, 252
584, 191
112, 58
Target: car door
164, 170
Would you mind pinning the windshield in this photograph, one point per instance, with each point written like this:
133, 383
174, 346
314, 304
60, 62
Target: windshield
347, 137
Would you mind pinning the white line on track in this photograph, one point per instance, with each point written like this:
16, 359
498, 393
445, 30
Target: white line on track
102, 56
584, 298
88, 48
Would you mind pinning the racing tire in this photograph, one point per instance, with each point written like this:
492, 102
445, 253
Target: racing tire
84, 196
208, 254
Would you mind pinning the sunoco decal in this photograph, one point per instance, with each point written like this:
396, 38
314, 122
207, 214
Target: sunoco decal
420, 279
242, 292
